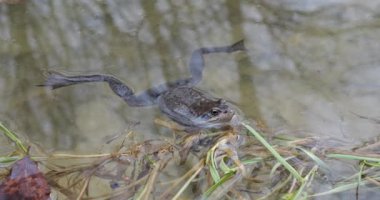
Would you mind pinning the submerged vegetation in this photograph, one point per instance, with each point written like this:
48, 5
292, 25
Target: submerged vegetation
233, 164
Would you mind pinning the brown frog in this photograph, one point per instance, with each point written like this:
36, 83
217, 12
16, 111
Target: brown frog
179, 100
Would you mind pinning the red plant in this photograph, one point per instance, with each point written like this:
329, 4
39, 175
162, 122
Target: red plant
25, 182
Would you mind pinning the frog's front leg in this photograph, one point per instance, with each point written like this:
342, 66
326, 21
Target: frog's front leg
197, 62
57, 80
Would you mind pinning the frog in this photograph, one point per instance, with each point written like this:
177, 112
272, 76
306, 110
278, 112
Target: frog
183, 103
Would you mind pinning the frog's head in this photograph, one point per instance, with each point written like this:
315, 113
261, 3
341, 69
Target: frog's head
220, 114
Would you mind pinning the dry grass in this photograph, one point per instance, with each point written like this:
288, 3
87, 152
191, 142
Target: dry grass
223, 165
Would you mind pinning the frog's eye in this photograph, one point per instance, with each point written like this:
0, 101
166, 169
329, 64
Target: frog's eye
215, 111
221, 101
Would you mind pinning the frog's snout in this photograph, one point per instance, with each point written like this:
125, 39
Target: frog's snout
235, 120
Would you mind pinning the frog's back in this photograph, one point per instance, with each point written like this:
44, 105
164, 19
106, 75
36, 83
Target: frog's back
185, 104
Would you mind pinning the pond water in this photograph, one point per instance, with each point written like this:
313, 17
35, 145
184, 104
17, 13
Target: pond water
311, 69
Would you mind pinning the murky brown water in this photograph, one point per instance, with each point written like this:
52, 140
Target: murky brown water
311, 66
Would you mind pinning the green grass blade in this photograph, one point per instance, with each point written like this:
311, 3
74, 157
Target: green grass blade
224, 167
372, 164
274, 152
224, 178
210, 161
12, 136
316, 159
276, 166
353, 157
8, 161
252, 161
341, 188
308, 178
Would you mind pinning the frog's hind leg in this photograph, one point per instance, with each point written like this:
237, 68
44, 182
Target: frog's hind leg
197, 62
56, 80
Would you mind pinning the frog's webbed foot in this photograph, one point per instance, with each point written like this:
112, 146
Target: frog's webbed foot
56, 80
197, 62
238, 46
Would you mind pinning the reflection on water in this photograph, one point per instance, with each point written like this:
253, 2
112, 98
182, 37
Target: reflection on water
311, 65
